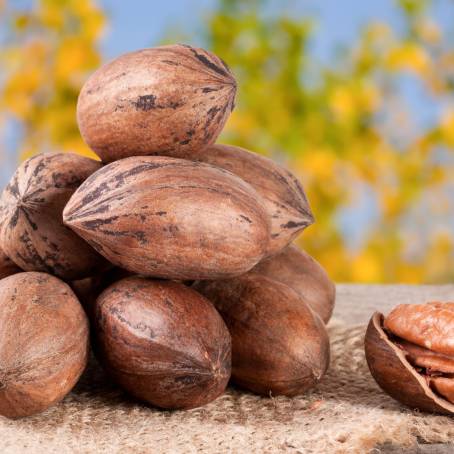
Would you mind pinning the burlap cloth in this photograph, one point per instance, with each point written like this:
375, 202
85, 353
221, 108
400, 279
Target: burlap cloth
346, 413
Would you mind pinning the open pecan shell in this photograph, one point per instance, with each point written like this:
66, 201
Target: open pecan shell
390, 366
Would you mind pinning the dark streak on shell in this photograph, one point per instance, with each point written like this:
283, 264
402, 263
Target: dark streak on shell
279, 345
32, 233
165, 100
171, 218
89, 288
282, 193
7, 266
297, 269
162, 342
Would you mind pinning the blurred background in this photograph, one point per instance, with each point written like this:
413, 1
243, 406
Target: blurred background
355, 97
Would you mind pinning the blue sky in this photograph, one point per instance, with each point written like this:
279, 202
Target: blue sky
140, 23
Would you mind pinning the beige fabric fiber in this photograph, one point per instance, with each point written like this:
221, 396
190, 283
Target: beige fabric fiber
347, 413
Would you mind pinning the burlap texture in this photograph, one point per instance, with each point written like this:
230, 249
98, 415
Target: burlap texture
346, 413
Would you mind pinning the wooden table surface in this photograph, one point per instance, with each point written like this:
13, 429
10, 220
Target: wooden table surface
356, 303
97, 415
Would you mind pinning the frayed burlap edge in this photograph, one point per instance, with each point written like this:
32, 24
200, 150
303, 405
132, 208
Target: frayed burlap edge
347, 413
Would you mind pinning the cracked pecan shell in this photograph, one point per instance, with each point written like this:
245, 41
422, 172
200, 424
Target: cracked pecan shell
400, 361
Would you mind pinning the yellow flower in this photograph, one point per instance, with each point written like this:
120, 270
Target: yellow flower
354, 99
18, 91
391, 203
342, 102
447, 127
51, 14
368, 98
72, 57
410, 273
76, 145
410, 57
319, 163
366, 268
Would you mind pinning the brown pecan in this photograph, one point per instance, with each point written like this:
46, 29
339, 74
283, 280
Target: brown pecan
411, 356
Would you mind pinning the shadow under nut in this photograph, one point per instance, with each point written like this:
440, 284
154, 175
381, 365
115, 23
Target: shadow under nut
7, 266
297, 269
88, 289
171, 218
